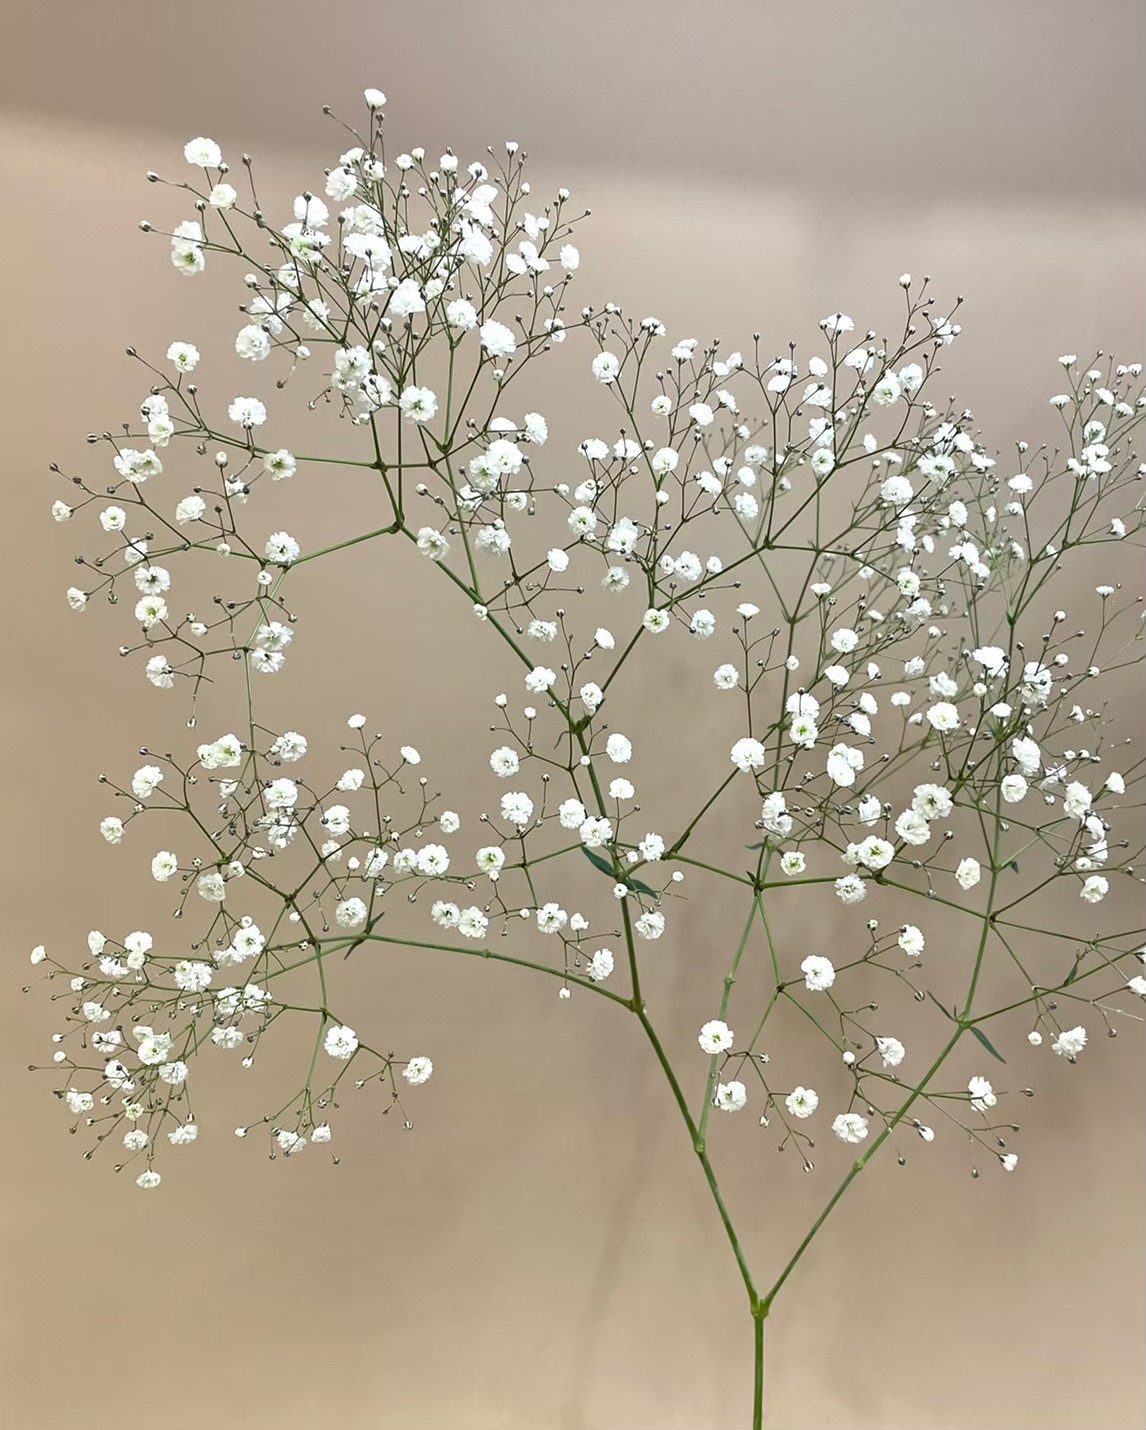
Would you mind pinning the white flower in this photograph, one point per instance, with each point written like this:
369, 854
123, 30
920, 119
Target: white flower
432, 543
540, 679
595, 832
819, 972
619, 749
490, 860
571, 814
606, 367
191, 976
350, 913
873, 853
1095, 889
191, 508
802, 1101
211, 886
551, 918
715, 1037
160, 673
982, 1094
600, 966
650, 925
887, 390
993, 659
247, 412
504, 761
281, 794
730, 1096
1037, 684
912, 828
932, 801
1070, 1043
418, 1071
340, 1041
472, 923
183, 356
203, 153
418, 404
851, 889
153, 1048
968, 873
943, 717
136, 466
145, 781
461, 313
843, 764
1077, 800
911, 940
252, 343
164, 865
850, 1127
748, 754
151, 611
282, 548
665, 460
497, 339
517, 809
406, 299
1013, 788
891, 1050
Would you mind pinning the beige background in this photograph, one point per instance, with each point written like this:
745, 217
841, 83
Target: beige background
540, 1250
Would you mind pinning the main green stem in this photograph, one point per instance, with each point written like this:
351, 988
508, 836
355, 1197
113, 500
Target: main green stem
758, 1371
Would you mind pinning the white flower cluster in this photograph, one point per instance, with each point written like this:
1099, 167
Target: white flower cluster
853, 590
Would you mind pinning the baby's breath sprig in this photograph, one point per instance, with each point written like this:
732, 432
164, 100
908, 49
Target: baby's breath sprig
906, 722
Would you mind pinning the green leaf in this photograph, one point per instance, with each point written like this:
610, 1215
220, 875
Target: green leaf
600, 863
606, 868
987, 1042
1014, 864
940, 1006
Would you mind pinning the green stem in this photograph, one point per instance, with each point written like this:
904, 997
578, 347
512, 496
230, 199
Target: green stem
499, 958
758, 1319
710, 1081
706, 1166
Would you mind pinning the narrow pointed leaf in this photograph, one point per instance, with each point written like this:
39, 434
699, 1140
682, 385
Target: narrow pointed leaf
987, 1043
